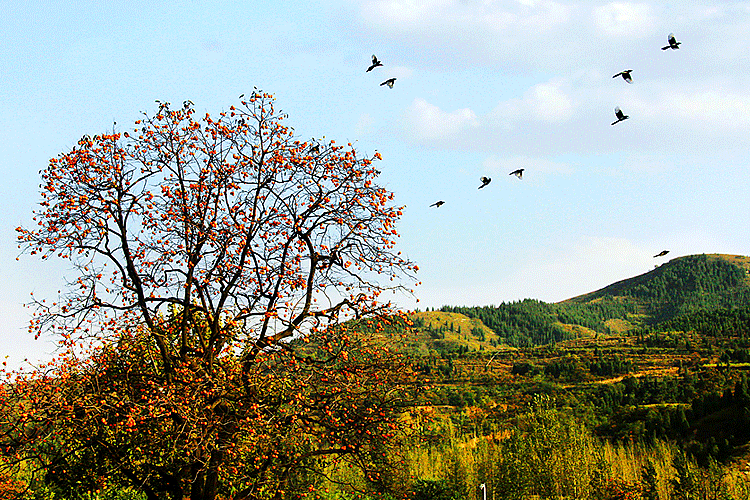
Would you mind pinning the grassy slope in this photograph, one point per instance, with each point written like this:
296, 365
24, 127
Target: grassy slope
437, 319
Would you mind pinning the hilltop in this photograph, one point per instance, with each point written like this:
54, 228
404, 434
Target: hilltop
696, 267
681, 285
684, 287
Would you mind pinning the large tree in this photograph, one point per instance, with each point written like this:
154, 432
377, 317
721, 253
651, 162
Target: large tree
224, 274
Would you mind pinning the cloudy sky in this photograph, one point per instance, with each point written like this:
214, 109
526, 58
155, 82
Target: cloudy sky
483, 87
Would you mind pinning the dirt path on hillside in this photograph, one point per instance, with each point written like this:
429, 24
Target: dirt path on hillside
658, 372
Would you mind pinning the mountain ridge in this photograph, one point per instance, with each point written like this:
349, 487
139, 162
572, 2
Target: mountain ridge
681, 287
737, 260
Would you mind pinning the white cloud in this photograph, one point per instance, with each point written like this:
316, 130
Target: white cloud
425, 121
588, 264
710, 106
545, 102
546, 35
625, 19
718, 112
400, 12
434, 15
447, 32
539, 15
551, 274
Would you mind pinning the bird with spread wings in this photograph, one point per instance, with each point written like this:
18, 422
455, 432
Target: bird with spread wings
375, 64
673, 43
620, 116
625, 75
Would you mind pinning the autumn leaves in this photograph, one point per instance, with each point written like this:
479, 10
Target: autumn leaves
217, 261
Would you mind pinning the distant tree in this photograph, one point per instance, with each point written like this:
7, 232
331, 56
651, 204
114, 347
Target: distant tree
218, 263
649, 481
741, 395
684, 484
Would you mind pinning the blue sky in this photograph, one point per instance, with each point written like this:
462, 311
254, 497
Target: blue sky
483, 88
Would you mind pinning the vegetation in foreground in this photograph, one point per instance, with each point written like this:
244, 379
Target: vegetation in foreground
638, 390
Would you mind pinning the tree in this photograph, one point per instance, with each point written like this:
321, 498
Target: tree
685, 482
549, 455
223, 267
649, 481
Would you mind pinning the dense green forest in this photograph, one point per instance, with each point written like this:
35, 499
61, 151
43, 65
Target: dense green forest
685, 285
531, 322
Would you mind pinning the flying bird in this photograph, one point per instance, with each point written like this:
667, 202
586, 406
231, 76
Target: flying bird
673, 43
438, 204
389, 82
518, 173
661, 254
620, 116
485, 181
375, 64
625, 75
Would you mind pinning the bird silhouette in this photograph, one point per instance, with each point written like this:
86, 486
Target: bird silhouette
661, 254
518, 173
389, 82
485, 181
438, 204
625, 75
315, 148
620, 116
673, 43
375, 64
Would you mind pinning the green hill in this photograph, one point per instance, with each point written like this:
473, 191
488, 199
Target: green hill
448, 332
682, 285
683, 293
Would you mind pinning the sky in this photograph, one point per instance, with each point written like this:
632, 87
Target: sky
482, 88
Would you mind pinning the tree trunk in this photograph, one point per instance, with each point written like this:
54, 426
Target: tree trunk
212, 475
198, 483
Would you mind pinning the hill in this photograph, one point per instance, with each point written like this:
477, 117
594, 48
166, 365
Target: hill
682, 291
661, 356
448, 332
682, 285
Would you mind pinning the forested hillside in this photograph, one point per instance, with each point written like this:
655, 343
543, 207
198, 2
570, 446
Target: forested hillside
683, 285
681, 292
532, 322
653, 363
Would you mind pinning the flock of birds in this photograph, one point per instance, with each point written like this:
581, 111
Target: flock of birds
389, 83
672, 44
